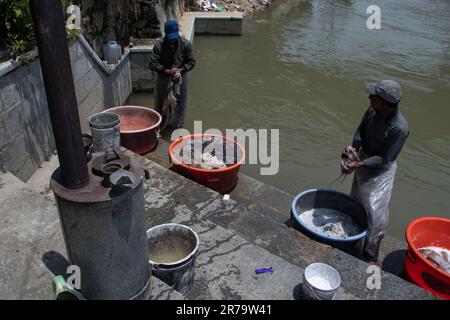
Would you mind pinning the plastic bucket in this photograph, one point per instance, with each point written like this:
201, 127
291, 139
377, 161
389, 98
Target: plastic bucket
220, 180
173, 249
138, 127
320, 198
320, 282
105, 130
426, 232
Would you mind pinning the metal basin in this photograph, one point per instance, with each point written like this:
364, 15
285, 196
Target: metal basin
138, 127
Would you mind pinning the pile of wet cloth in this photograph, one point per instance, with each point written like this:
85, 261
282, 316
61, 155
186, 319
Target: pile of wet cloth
173, 90
330, 222
207, 153
440, 257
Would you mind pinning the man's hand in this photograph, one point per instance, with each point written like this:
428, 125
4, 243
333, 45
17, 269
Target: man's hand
344, 167
352, 166
171, 72
348, 166
349, 153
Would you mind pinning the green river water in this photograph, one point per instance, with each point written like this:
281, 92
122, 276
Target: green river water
300, 67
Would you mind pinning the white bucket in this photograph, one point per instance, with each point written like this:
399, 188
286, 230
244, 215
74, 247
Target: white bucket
320, 281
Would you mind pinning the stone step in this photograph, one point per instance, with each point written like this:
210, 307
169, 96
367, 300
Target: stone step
253, 223
30, 232
226, 261
262, 222
39, 181
276, 203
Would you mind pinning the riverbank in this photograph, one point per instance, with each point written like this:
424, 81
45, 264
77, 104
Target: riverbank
246, 7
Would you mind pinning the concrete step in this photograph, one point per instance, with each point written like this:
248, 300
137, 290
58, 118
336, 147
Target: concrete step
225, 266
29, 233
272, 202
40, 180
260, 215
226, 262
239, 235
265, 200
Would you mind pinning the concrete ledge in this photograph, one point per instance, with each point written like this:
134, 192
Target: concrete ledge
10, 65
213, 23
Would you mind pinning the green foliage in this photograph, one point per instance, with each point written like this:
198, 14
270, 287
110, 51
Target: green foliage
26, 58
16, 28
72, 34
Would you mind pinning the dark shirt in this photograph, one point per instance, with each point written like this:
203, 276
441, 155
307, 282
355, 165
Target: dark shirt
165, 57
381, 140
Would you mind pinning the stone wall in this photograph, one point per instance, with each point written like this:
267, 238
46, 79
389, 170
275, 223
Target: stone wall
118, 20
26, 138
143, 79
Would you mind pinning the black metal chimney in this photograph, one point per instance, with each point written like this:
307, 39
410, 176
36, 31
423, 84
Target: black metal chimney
50, 31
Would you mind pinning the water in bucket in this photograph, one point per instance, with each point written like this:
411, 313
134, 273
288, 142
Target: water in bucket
173, 249
320, 282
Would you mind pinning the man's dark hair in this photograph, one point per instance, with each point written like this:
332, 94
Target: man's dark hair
391, 105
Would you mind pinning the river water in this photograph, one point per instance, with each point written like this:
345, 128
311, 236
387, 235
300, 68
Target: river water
300, 67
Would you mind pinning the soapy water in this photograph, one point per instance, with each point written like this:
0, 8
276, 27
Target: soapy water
320, 283
168, 255
330, 222
438, 256
207, 153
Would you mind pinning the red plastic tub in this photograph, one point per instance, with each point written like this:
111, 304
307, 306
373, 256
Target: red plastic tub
421, 233
138, 127
220, 180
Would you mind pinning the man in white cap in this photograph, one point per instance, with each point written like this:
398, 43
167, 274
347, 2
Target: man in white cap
378, 141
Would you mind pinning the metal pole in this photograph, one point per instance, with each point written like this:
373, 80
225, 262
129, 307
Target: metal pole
50, 31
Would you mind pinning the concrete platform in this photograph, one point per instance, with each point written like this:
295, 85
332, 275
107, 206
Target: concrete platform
31, 243
249, 231
212, 23
261, 214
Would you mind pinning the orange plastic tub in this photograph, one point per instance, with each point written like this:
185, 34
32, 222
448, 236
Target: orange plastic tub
421, 233
220, 180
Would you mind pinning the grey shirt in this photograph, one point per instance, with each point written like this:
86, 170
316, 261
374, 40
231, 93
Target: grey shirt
381, 140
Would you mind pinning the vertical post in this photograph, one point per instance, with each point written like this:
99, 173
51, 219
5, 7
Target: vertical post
51, 37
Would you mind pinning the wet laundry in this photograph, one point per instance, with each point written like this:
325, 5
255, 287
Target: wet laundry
330, 222
438, 256
208, 153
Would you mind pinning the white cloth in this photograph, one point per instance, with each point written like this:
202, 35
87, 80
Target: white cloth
373, 190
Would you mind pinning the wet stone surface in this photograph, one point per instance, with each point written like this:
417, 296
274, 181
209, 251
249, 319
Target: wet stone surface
236, 237
253, 231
